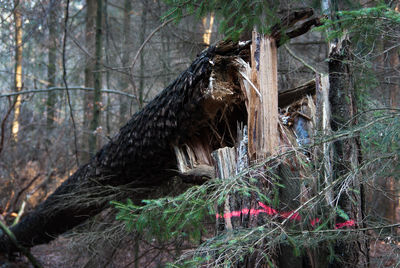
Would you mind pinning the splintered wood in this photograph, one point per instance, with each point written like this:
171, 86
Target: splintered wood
322, 126
193, 156
225, 164
263, 105
225, 160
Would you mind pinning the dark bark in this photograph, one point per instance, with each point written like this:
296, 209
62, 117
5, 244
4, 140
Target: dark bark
288, 200
89, 77
347, 154
139, 155
126, 47
288, 96
94, 124
51, 67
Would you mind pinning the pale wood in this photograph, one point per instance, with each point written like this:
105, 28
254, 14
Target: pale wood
322, 123
263, 111
194, 159
254, 102
268, 77
18, 70
225, 162
225, 165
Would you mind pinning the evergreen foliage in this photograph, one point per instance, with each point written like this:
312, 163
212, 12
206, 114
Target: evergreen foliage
236, 16
183, 216
364, 25
189, 215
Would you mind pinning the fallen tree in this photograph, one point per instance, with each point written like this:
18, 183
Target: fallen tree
193, 116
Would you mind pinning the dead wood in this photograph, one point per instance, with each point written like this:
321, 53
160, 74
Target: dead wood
141, 155
289, 96
195, 115
347, 153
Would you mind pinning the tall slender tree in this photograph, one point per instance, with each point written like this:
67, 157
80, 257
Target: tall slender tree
142, 36
95, 123
89, 78
18, 67
51, 65
126, 46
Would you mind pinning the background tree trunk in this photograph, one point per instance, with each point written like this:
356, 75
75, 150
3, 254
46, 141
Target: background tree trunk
18, 68
108, 72
126, 48
51, 67
89, 76
97, 104
142, 36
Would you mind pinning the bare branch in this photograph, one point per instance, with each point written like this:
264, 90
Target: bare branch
64, 77
149, 37
32, 91
301, 60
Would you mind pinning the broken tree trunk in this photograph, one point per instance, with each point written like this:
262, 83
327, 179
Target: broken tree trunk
141, 155
347, 155
263, 98
183, 124
260, 87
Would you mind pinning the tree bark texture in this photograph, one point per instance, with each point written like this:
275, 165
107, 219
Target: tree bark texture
51, 67
347, 154
89, 77
126, 46
142, 35
141, 155
95, 123
18, 68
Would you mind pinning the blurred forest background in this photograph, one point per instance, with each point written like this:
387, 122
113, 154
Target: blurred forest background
64, 91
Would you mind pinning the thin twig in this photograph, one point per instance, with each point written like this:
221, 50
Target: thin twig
29, 91
117, 69
311, 199
20, 212
17, 197
65, 81
351, 230
301, 60
251, 84
149, 37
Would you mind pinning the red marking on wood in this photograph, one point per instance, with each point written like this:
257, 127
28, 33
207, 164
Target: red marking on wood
344, 224
236, 213
314, 222
296, 216
270, 211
